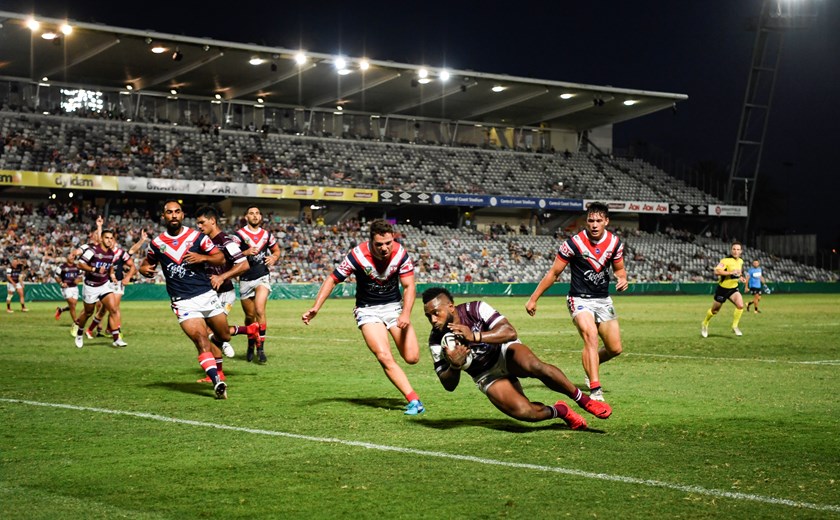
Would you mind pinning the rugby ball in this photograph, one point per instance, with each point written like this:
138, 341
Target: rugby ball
449, 342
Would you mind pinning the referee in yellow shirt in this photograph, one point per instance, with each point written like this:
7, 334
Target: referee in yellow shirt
729, 273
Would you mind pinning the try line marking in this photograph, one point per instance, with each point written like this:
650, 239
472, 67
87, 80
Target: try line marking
441, 455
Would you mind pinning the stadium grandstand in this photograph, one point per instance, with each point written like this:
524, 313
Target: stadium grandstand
482, 173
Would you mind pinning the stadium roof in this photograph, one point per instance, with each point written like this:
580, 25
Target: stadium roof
110, 58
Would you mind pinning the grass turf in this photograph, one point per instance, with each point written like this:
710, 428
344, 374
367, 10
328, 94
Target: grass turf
720, 427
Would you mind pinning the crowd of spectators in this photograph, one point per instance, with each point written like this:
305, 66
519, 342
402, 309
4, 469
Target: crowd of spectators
201, 151
43, 234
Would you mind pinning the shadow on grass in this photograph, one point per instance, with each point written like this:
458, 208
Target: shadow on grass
387, 403
504, 425
185, 387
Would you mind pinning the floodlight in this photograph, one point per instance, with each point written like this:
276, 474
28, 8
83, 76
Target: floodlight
498, 88
300, 58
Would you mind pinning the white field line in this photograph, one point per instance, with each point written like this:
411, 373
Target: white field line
710, 358
468, 458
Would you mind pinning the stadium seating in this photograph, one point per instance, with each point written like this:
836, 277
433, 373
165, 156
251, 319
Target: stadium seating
108, 147
70, 144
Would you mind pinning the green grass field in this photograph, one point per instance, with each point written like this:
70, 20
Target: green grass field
722, 427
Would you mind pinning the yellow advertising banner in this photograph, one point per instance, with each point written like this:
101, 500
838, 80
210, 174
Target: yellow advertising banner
16, 178
281, 191
70, 181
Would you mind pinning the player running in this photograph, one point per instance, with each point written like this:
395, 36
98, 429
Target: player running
755, 283
182, 253
96, 262
262, 251
381, 266
729, 272
590, 253
118, 276
69, 276
15, 274
221, 276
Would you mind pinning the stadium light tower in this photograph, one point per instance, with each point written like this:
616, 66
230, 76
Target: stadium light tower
776, 18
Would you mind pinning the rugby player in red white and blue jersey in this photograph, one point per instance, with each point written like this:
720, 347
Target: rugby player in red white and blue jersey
380, 267
262, 251
591, 253
182, 253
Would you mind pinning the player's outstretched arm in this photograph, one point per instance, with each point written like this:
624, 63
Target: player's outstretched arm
135, 248
547, 281
323, 294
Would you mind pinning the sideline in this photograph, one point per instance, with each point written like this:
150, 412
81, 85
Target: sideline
551, 469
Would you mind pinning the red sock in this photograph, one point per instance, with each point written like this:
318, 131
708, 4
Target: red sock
412, 396
115, 334
208, 364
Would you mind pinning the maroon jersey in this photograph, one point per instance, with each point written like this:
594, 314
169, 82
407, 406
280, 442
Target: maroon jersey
589, 262
100, 259
15, 272
69, 273
262, 241
479, 316
233, 255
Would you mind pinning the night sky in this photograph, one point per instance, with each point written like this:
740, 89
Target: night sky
699, 48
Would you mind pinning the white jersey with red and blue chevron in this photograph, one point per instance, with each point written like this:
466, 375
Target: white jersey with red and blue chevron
377, 281
590, 263
263, 242
182, 280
